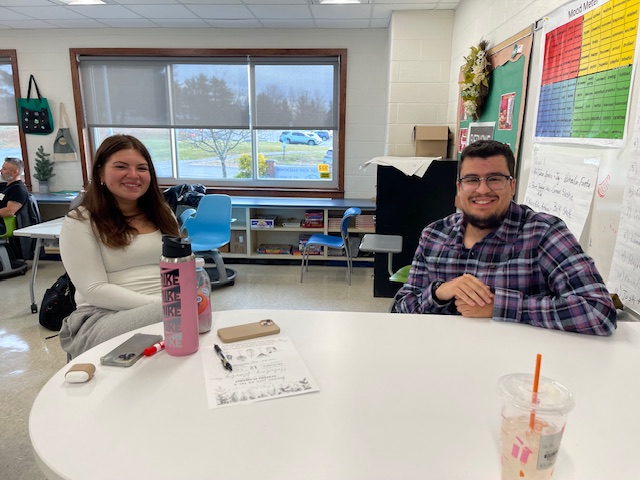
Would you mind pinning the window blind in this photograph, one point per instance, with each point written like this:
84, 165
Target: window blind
225, 93
8, 114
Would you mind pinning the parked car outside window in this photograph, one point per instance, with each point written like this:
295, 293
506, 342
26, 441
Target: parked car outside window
286, 132
323, 134
328, 157
306, 138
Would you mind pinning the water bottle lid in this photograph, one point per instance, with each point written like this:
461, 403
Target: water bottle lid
175, 247
199, 262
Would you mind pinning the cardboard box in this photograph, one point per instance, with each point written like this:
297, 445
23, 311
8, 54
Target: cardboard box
238, 242
267, 221
224, 248
431, 140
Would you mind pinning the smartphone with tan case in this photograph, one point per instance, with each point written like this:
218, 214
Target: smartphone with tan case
248, 330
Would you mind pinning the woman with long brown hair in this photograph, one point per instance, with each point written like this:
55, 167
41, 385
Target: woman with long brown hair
111, 244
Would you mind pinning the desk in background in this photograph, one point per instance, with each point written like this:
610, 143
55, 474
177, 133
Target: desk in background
53, 206
401, 396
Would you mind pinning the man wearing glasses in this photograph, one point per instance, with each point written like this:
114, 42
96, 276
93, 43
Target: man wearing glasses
502, 260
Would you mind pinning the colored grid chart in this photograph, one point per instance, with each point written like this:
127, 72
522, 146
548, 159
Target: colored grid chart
586, 74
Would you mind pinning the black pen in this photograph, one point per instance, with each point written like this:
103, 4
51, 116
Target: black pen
223, 359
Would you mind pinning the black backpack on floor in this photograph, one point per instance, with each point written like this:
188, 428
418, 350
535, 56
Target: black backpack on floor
58, 303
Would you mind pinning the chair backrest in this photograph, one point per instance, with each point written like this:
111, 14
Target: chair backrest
344, 227
10, 226
29, 214
185, 216
213, 214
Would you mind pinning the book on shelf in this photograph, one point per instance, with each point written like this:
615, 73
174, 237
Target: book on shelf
313, 219
334, 223
366, 221
313, 224
290, 222
313, 249
274, 249
314, 215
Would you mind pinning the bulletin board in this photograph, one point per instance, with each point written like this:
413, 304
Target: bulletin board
586, 73
591, 181
503, 112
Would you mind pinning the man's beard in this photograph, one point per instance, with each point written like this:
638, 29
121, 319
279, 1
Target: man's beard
5, 179
492, 222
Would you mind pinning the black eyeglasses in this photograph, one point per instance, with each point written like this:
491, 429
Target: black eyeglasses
494, 182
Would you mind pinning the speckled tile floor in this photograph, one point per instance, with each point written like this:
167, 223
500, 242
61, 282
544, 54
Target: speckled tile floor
28, 358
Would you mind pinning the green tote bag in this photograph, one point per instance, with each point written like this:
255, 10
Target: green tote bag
35, 114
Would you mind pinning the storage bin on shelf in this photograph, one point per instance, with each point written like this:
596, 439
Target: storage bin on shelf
266, 221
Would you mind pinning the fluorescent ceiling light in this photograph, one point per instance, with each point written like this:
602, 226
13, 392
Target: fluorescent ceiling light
83, 2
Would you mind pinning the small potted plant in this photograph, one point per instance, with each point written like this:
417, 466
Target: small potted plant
44, 170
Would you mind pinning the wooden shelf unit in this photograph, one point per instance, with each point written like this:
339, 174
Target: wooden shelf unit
246, 208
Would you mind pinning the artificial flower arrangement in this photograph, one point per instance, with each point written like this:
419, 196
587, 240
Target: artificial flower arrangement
475, 79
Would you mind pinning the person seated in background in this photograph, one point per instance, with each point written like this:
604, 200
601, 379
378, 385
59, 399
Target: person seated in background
13, 193
111, 245
502, 260
13, 197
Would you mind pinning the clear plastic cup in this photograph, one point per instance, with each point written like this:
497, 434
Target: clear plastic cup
526, 453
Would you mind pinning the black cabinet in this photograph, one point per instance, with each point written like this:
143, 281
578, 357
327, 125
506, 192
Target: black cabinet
404, 206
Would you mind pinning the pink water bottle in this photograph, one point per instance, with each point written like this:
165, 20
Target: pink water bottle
179, 304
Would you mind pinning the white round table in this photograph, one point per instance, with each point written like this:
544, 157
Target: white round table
401, 397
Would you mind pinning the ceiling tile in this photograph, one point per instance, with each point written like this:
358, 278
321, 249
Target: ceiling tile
25, 23
248, 23
288, 23
24, 3
7, 14
271, 3
380, 22
79, 23
343, 23
181, 22
218, 13
162, 11
236, 12
341, 11
422, 3
288, 11
212, 2
128, 22
145, 2
103, 11
47, 13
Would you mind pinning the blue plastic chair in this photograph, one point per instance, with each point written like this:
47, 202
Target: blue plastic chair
332, 241
208, 229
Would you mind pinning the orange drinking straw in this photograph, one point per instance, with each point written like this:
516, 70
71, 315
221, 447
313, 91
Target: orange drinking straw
534, 395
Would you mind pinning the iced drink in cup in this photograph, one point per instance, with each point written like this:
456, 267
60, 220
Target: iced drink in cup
530, 453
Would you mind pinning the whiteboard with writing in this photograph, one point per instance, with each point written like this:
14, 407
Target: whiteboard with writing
624, 277
562, 185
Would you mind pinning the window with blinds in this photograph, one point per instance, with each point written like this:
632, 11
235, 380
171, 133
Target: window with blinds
264, 121
9, 131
